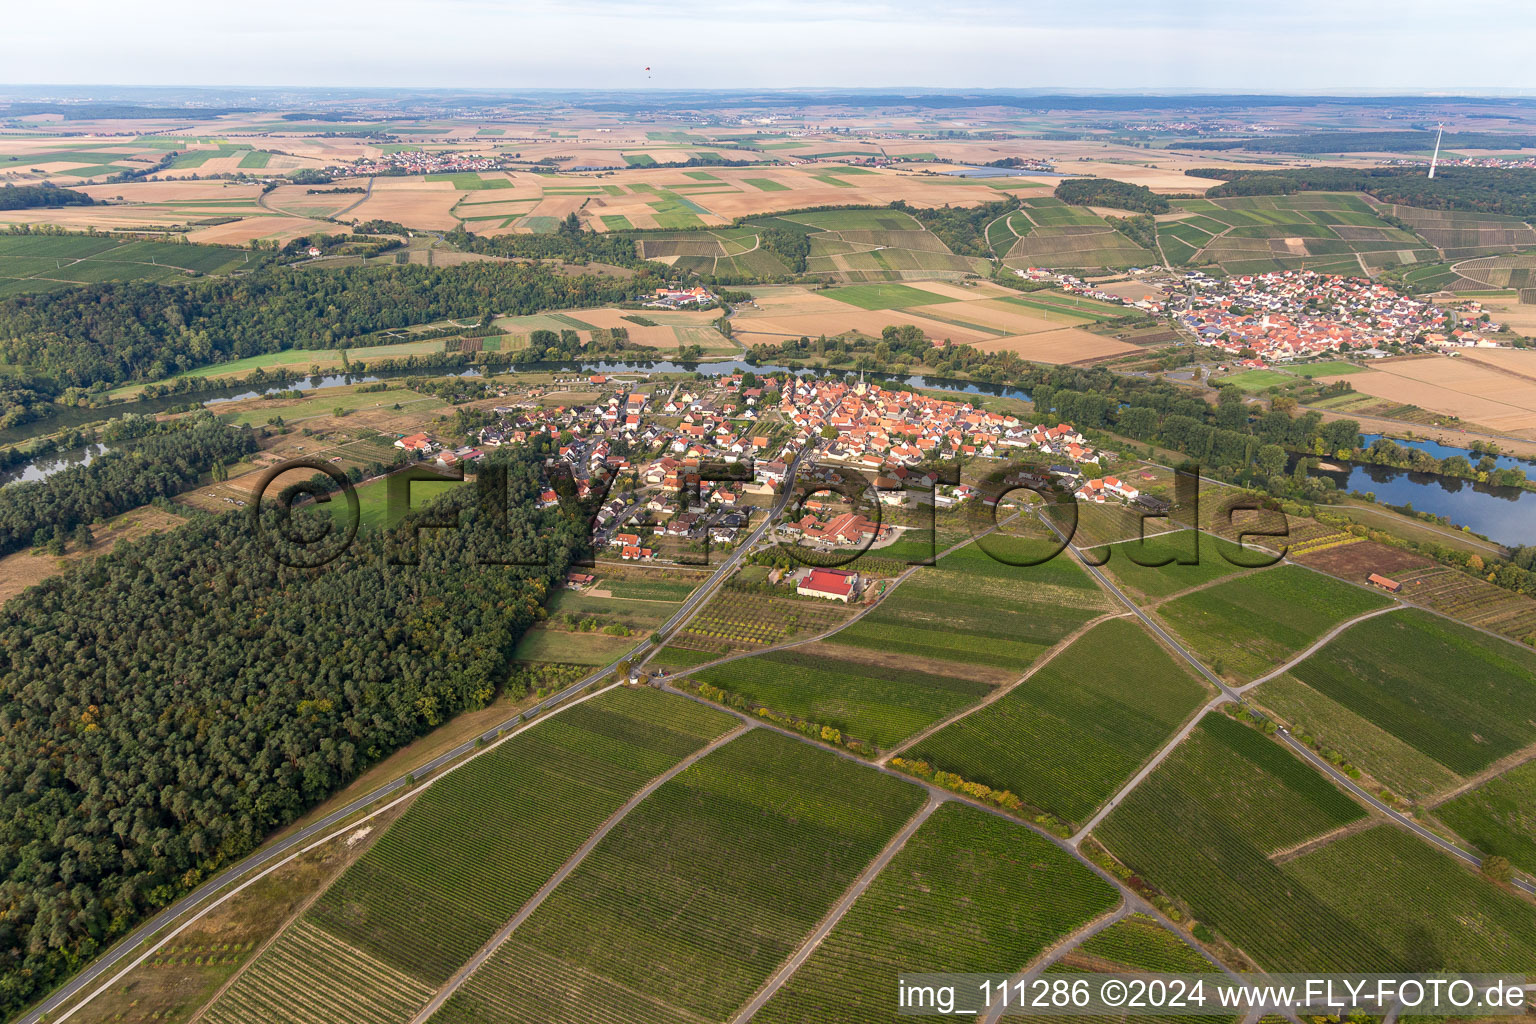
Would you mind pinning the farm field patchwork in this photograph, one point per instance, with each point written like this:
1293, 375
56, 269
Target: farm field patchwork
1213, 558
968, 892
697, 896
1463, 699
1499, 817
880, 701
1078, 728
1333, 726
475, 846
974, 610
1244, 627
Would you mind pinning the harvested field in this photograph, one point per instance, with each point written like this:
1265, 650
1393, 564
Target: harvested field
1497, 392
1067, 345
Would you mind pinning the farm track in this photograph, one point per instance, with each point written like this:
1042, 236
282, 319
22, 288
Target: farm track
1306, 752
1322, 642
285, 849
999, 692
572, 863
940, 795
803, 952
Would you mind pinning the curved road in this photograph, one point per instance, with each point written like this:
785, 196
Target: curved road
1305, 751
268, 854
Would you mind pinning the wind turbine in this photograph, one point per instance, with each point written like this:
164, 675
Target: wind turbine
1436, 158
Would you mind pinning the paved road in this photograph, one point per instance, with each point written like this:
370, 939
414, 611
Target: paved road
488, 950
1295, 744
282, 847
1323, 642
829, 922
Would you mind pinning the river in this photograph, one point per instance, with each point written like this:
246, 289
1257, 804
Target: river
1443, 451
1506, 515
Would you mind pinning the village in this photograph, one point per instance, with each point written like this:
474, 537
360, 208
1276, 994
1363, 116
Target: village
683, 468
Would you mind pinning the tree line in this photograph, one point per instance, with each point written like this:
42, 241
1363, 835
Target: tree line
149, 460
164, 708
135, 330
1109, 192
45, 194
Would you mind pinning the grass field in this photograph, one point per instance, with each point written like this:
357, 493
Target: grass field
1451, 693
1499, 817
1214, 558
684, 910
46, 262
1253, 381
968, 892
1245, 626
476, 846
1067, 737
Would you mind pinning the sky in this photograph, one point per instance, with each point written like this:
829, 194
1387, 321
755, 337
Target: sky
1295, 46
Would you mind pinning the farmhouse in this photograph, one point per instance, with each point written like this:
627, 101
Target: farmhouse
417, 443
832, 584
1389, 585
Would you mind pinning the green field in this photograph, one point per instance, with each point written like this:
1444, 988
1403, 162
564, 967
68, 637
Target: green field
1214, 558
698, 895
474, 847
1333, 727
45, 262
373, 502
1499, 817
885, 296
968, 892
875, 703
469, 181
972, 609
1455, 695
1201, 827
1253, 381
565, 648
858, 220
1072, 733
1139, 943
1326, 369
767, 184
1248, 625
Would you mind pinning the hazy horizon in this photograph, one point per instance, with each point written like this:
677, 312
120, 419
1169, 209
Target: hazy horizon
1310, 47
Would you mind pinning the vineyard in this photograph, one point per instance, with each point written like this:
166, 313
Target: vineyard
875, 701
1325, 542
1443, 916
1067, 737
1245, 626
475, 846
974, 610
1499, 817
1133, 563
1454, 695
1202, 828
1138, 943
308, 975
1333, 727
968, 892
1472, 600
698, 895
738, 620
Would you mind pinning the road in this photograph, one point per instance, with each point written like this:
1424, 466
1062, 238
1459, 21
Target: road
282, 847
571, 864
801, 955
1305, 751
1324, 641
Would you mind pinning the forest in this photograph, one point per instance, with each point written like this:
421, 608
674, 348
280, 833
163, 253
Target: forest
27, 197
135, 330
146, 460
1107, 192
1510, 191
165, 707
